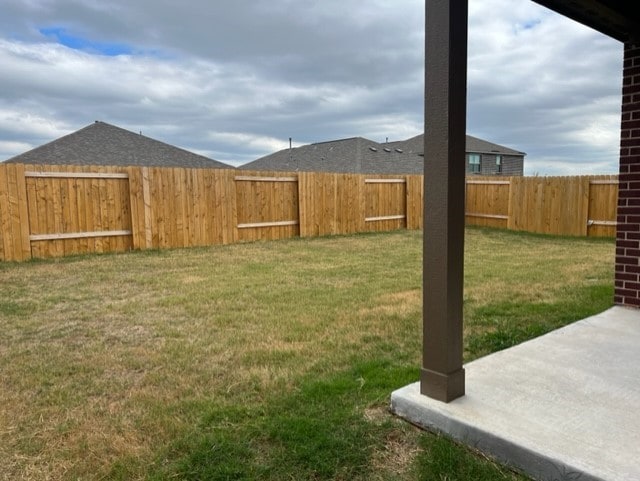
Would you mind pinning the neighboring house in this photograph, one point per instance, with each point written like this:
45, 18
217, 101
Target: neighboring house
106, 145
487, 158
360, 155
482, 157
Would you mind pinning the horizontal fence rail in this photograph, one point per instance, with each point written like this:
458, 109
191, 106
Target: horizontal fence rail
49, 211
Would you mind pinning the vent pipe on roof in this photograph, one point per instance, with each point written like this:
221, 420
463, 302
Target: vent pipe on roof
291, 154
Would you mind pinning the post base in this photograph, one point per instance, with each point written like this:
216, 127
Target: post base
442, 387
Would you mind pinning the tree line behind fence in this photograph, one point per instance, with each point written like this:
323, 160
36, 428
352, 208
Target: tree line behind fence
49, 211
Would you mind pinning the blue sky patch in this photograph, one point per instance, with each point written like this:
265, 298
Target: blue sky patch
531, 23
62, 36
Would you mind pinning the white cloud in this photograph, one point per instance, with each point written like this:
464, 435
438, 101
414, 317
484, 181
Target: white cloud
235, 80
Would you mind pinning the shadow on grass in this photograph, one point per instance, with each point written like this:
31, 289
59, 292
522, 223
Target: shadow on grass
511, 323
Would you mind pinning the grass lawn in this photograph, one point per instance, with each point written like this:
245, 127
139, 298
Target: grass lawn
267, 360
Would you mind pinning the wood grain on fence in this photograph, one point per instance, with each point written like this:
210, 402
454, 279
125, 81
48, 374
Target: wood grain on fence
73, 212
187, 207
385, 203
331, 204
603, 199
487, 201
415, 201
14, 238
48, 211
267, 206
549, 205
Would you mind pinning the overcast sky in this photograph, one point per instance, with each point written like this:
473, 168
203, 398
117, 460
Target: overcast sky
234, 79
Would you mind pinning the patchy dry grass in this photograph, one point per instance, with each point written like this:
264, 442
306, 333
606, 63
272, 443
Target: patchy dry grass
138, 365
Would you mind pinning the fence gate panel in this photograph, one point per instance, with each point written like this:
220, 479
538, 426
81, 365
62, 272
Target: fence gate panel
267, 207
385, 204
487, 202
78, 212
603, 198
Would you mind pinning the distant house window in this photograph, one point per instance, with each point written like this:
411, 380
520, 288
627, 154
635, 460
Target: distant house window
474, 163
499, 164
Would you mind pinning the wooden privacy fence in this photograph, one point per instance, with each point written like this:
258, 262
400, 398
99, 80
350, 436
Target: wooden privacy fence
48, 211
575, 206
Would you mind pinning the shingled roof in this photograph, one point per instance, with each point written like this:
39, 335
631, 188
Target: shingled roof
353, 155
473, 145
359, 155
104, 144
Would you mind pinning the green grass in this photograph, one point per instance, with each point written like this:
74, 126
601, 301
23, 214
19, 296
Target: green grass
259, 361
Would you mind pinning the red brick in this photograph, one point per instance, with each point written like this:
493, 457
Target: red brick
628, 210
628, 143
630, 106
624, 276
630, 301
628, 228
627, 193
631, 89
627, 293
630, 177
628, 243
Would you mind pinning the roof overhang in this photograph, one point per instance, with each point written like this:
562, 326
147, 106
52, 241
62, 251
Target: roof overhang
616, 18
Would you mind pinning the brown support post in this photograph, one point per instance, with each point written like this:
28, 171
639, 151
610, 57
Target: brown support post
442, 375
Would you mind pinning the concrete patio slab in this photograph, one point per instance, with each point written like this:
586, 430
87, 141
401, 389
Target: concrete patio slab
564, 406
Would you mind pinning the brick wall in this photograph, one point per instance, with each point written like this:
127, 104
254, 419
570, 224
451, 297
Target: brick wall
627, 280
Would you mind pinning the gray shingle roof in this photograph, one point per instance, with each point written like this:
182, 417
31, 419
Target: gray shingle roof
104, 144
357, 155
473, 145
354, 155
